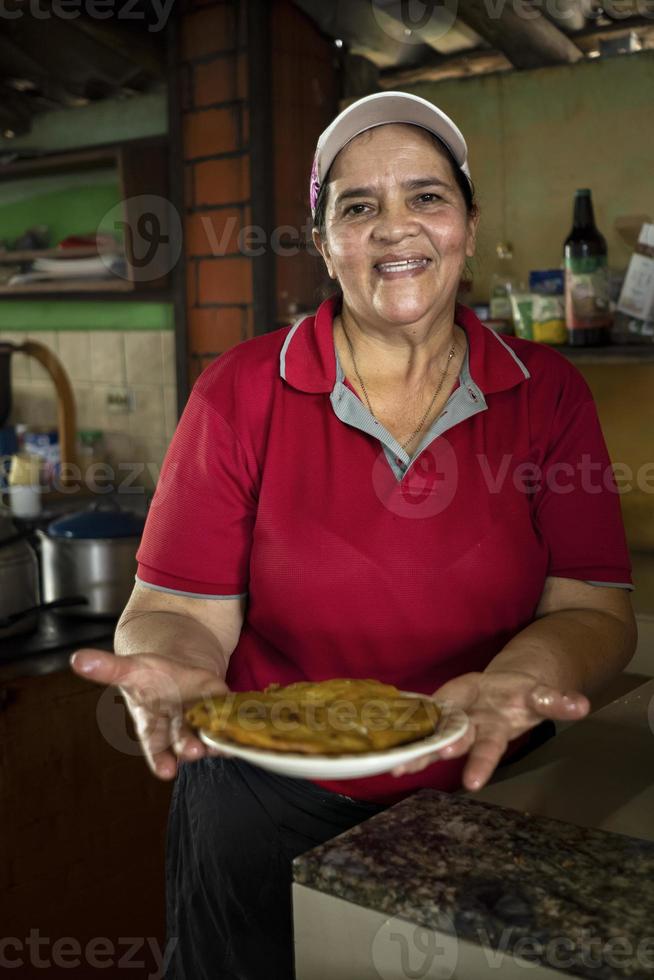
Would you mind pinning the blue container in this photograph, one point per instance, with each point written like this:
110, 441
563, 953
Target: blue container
8, 447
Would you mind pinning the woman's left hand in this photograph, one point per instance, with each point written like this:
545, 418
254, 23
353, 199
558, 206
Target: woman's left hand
501, 705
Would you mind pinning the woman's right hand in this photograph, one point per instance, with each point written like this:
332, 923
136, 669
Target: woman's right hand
157, 691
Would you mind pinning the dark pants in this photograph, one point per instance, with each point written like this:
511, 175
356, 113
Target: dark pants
233, 832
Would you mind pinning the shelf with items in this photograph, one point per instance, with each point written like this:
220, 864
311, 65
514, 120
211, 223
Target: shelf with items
140, 219
66, 286
610, 354
29, 255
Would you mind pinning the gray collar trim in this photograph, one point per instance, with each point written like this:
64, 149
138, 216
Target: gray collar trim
467, 400
513, 354
287, 341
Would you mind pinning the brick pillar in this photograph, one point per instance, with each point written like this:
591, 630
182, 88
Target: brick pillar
304, 90
217, 191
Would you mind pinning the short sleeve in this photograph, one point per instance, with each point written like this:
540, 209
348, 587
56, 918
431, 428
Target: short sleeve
577, 504
198, 532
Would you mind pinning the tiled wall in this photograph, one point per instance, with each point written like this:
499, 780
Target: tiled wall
96, 362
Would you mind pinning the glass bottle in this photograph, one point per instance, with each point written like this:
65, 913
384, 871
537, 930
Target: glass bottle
587, 309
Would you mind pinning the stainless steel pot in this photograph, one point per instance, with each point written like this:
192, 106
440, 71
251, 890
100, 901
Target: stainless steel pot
91, 553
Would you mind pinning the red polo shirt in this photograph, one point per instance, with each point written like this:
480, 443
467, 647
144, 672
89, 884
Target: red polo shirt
358, 561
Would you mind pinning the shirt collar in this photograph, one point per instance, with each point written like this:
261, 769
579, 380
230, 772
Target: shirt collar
308, 362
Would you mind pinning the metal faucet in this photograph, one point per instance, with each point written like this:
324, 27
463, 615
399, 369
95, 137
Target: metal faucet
66, 412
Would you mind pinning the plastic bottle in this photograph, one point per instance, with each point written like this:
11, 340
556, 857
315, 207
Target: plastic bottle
634, 318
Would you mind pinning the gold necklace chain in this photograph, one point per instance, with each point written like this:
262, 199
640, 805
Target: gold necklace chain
422, 421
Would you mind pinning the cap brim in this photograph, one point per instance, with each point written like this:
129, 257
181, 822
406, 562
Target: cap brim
384, 108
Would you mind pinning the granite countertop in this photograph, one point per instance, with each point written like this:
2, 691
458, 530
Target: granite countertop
557, 843
499, 878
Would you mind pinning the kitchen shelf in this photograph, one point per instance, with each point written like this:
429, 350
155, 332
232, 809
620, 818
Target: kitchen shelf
91, 158
66, 286
102, 290
610, 354
30, 255
141, 168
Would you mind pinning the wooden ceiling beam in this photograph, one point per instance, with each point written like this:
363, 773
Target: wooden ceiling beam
73, 58
519, 31
17, 63
16, 112
142, 50
479, 61
47, 64
589, 38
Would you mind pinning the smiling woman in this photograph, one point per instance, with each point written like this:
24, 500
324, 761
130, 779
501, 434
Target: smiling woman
373, 492
397, 246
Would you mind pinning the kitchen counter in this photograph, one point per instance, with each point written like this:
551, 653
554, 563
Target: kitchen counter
48, 648
53, 508
489, 882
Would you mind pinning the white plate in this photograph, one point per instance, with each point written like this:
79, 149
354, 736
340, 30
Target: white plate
452, 725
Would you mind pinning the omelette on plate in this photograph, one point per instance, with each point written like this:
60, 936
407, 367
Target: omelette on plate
334, 717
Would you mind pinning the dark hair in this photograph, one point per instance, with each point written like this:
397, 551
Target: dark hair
321, 205
465, 186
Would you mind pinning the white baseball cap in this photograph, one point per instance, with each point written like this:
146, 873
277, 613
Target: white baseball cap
377, 110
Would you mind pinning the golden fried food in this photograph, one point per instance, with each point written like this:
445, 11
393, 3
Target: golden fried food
334, 717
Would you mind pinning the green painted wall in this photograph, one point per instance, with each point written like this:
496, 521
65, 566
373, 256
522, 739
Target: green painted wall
535, 136
67, 204
71, 204
32, 315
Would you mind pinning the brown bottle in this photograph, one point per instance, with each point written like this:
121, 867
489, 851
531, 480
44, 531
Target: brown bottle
587, 311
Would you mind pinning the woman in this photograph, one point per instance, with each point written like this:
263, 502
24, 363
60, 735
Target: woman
385, 490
